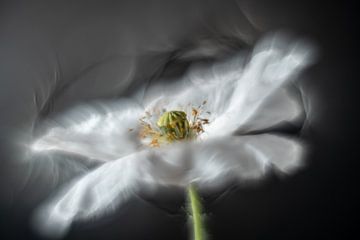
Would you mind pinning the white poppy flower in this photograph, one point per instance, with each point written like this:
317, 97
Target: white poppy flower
230, 99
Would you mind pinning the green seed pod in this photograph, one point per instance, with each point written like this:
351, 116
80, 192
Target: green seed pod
174, 125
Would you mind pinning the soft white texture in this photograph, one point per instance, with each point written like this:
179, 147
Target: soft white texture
241, 96
100, 132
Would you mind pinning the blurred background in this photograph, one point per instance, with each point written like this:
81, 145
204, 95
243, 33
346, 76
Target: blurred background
56, 54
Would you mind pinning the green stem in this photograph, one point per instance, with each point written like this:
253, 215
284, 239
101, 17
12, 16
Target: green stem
196, 209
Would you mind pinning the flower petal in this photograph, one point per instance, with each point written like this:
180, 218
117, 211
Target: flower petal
88, 196
102, 131
212, 83
274, 62
245, 157
279, 108
209, 164
236, 90
215, 161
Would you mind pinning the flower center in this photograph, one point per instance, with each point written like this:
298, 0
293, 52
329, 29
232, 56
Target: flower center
172, 126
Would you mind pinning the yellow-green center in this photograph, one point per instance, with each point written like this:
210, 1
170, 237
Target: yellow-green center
174, 125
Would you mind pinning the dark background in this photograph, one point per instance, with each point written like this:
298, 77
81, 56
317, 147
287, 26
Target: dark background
55, 54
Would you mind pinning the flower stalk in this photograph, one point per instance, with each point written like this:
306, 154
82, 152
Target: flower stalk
195, 209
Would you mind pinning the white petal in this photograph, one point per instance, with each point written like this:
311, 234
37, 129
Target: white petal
246, 157
273, 62
237, 91
209, 164
102, 131
279, 108
215, 161
88, 196
212, 83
